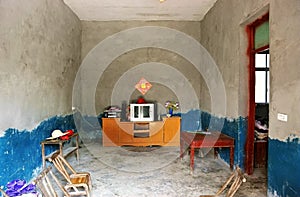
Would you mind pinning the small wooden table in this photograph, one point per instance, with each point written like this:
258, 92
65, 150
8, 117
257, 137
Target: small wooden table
191, 141
63, 152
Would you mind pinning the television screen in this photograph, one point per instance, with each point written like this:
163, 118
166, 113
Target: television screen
142, 112
146, 112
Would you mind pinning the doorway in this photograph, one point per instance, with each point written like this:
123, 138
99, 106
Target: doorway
258, 108
262, 86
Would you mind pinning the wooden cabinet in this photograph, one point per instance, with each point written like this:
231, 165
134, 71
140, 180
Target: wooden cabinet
125, 132
111, 135
260, 153
162, 133
171, 134
157, 132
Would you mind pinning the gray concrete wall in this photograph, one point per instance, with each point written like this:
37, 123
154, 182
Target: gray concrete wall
285, 68
93, 33
226, 40
223, 35
39, 58
284, 143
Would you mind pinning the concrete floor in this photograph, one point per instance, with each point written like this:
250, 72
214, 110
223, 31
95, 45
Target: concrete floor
158, 171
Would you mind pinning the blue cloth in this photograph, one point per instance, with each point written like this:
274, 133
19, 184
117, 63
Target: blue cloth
18, 187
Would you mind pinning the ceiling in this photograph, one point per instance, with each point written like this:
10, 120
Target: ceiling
123, 10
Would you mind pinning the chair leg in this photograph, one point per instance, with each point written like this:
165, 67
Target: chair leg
3, 193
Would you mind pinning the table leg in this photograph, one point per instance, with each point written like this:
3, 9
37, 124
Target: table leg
192, 154
215, 153
181, 149
43, 155
61, 149
231, 157
77, 148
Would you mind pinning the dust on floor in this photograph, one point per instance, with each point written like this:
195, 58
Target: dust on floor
159, 172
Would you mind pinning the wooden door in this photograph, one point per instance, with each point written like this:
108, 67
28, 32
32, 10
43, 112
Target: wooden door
110, 132
172, 131
126, 133
156, 132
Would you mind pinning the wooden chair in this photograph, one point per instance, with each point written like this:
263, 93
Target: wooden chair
44, 183
234, 182
3, 193
78, 183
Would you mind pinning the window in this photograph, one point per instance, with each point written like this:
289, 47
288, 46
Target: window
262, 77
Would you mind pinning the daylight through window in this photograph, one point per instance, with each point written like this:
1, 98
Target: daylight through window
262, 77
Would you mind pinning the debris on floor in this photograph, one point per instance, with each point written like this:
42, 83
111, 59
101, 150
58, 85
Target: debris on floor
158, 171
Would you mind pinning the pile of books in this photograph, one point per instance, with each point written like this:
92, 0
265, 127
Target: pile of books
112, 112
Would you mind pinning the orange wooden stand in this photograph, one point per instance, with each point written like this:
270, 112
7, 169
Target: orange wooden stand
161, 133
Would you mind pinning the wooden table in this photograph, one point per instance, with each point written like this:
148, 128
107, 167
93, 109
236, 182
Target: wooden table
60, 143
191, 141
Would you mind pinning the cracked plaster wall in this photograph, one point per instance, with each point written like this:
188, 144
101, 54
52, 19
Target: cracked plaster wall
226, 40
39, 58
223, 35
94, 32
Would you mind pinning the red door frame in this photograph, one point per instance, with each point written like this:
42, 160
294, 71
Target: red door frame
251, 51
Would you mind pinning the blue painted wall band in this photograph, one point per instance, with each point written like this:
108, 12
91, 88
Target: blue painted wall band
284, 167
20, 151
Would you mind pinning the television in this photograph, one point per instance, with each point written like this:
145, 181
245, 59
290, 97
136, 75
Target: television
142, 112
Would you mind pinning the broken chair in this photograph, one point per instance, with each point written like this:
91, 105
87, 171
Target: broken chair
44, 182
79, 183
3, 193
232, 184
